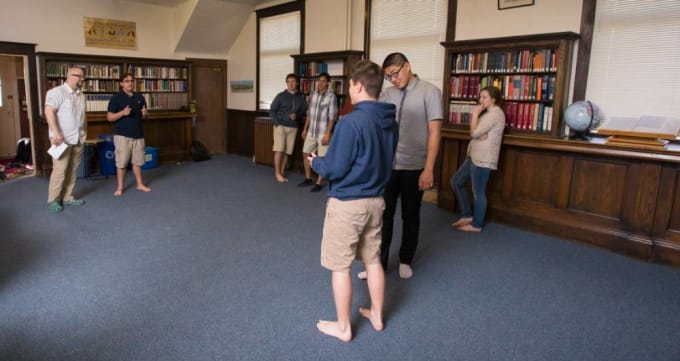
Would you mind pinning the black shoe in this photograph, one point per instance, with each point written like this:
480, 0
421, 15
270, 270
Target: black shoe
316, 188
306, 183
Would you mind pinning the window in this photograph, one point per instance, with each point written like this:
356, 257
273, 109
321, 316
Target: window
279, 37
414, 28
634, 58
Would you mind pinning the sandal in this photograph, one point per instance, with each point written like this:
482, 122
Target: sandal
74, 202
55, 207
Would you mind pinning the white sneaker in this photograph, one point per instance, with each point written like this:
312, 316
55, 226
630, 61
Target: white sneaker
405, 271
362, 275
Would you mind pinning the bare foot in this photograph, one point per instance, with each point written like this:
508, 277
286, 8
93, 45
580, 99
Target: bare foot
331, 328
281, 179
118, 193
143, 188
376, 320
469, 228
462, 222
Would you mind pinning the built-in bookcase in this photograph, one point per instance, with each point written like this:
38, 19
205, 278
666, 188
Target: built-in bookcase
337, 64
165, 84
532, 73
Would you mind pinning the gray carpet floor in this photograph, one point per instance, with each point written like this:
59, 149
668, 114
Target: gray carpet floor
219, 262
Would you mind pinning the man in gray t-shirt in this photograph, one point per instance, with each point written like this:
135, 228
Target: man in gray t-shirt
420, 115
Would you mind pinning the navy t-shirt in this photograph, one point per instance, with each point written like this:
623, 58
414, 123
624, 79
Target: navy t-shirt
131, 125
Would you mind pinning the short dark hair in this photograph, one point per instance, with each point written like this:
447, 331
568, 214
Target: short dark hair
324, 75
370, 75
125, 75
495, 94
292, 75
398, 59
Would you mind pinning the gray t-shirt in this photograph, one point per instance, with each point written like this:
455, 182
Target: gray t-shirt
422, 103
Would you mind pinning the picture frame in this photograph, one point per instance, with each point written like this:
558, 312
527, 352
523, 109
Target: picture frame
509, 4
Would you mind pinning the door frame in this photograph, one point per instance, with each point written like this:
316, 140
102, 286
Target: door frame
213, 63
38, 126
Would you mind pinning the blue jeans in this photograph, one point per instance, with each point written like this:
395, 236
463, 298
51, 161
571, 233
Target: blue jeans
479, 177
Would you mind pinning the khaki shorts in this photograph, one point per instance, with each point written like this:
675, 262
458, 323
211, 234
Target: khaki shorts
284, 139
312, 145
126, 148
352, 229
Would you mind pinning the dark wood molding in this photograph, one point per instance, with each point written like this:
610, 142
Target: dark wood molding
584, 47
367, 29
451, 20
241, 132
518, 41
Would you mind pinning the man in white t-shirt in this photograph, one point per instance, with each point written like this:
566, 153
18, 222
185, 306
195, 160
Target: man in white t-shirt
65, 114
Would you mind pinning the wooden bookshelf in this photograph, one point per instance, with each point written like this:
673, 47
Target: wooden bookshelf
337, 64
532, 73
165, 84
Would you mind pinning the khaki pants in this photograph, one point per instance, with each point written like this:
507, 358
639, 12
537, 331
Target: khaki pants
63, 178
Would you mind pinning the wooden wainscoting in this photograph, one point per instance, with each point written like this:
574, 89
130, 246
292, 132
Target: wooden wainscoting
624, 200
240, 133
263, 140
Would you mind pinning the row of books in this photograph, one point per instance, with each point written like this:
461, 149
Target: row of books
154, 101
307, 86
156, 72
513, 87
504, 62
160, 85
526, 116
58, 70
89, 86
313, 68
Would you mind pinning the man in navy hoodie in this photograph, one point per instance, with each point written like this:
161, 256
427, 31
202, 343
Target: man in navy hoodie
357, 165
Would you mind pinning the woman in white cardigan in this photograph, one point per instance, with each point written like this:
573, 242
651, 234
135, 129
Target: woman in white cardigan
486, 130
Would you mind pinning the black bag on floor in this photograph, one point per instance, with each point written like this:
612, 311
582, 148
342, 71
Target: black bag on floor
23, 151
199, 152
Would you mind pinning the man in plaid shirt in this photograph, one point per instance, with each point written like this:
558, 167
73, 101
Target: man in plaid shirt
322, 112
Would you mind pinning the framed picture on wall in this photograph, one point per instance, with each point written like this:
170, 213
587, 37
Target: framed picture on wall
509, 4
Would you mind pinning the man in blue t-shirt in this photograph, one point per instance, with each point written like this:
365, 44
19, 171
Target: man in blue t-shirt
127, 109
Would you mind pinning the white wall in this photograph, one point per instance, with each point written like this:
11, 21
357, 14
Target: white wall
481, 19
328, 29
57, 26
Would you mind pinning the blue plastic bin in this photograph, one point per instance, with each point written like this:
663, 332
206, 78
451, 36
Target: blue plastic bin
107, 155
150, 158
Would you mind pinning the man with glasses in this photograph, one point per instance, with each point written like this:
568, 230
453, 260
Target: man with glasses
420, 116
65, 115
127, 109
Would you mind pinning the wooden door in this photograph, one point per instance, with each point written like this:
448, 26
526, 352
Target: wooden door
208, 79
10, 130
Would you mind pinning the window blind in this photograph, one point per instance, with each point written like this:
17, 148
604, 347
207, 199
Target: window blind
634, 58
414, 28
279, 39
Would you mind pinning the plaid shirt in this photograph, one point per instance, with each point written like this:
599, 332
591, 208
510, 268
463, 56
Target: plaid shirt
322, 108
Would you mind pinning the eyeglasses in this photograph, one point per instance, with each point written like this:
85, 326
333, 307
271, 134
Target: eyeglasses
128, 81
78, 76
394, 74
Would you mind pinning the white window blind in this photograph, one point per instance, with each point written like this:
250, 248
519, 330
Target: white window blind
414, 28
279, 38
634, 58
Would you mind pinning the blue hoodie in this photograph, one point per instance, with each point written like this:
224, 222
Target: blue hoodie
358, 163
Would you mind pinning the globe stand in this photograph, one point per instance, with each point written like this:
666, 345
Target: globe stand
583, 135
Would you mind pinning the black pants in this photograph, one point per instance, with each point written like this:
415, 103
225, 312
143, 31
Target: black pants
402, 183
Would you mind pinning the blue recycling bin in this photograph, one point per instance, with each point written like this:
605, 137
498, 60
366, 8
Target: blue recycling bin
107, 155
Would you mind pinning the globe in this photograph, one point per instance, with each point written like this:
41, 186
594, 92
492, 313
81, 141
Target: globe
582, 116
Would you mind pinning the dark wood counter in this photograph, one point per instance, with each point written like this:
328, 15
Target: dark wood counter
626, 200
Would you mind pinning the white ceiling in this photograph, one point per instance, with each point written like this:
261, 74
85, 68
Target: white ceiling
173, 3
213, 26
